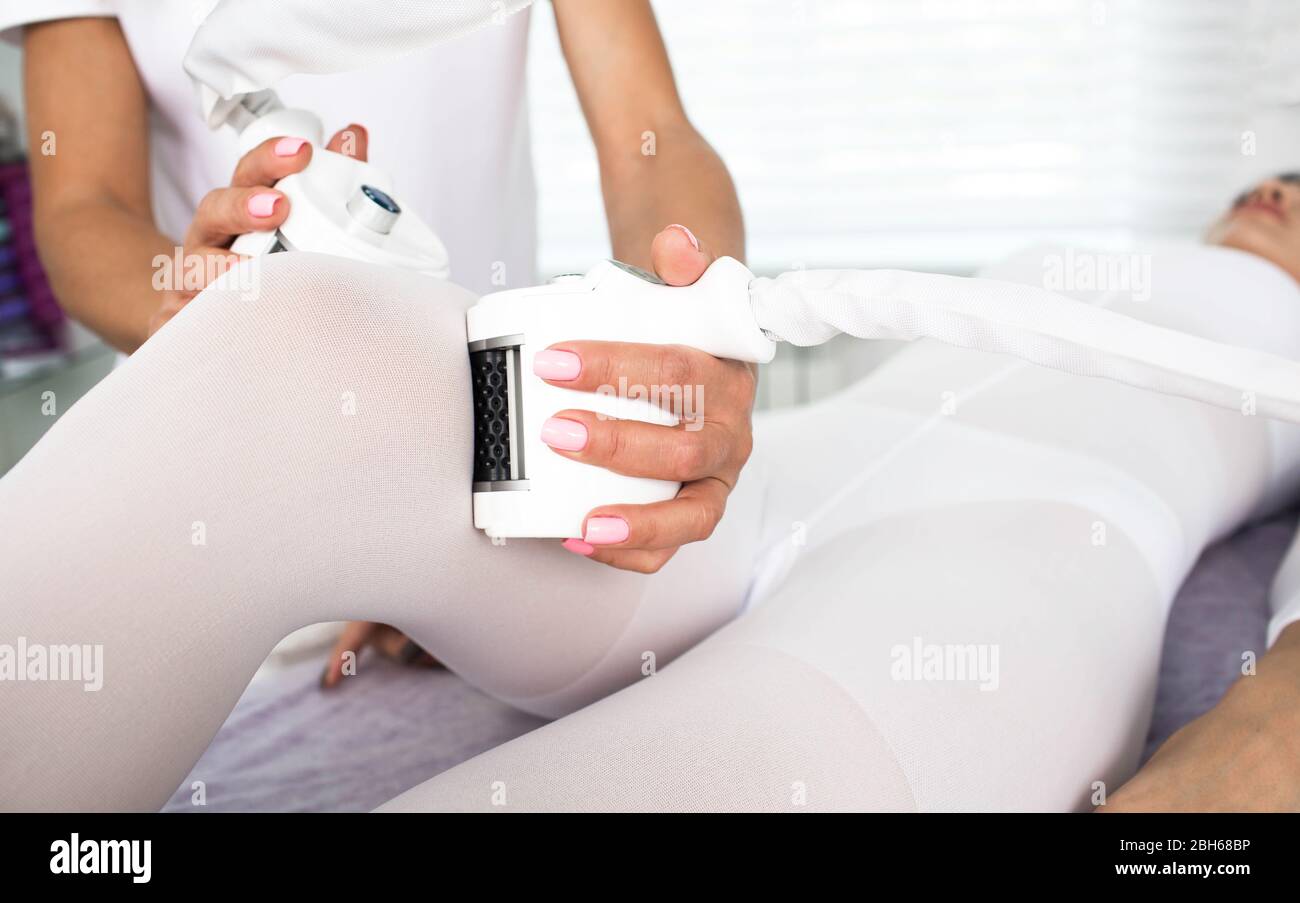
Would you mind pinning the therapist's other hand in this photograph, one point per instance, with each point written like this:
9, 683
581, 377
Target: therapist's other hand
1241, 756
248, 204
705, 452
387, 641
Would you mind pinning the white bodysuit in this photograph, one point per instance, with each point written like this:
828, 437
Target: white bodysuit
260, 465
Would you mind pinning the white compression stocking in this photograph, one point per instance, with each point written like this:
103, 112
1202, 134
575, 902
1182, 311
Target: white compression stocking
261, 465
317, 441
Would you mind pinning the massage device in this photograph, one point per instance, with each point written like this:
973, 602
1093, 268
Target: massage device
521, 487
337, 205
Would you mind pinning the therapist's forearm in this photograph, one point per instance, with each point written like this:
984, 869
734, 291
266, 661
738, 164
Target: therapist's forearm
683, 181
88, 113
99, 260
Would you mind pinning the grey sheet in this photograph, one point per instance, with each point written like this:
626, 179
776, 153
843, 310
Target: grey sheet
1221, 612
290, 747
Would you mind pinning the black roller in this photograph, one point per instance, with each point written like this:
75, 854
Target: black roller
491, 414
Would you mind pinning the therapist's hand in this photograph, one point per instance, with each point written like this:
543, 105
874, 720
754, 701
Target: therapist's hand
248, 204
705, 453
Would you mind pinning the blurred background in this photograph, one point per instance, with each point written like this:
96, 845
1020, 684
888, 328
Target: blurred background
927, 134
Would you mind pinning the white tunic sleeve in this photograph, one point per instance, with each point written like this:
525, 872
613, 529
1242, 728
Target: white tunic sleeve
14, 14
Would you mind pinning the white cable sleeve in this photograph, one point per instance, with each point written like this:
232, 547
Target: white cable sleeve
245, 46
809, 307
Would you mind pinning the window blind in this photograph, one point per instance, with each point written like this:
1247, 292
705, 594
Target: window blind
939, 134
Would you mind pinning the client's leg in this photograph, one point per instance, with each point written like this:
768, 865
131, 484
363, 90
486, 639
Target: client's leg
818, 699
264, 464
972, 561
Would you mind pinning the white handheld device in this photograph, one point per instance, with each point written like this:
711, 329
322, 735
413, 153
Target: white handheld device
338, 205
521, 487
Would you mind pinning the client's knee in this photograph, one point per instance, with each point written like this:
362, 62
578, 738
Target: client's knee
337, 308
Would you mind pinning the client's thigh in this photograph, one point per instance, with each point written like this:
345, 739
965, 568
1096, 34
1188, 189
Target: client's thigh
274, 460
982, 656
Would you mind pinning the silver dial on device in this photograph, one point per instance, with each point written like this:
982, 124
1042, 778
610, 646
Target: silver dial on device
374, 209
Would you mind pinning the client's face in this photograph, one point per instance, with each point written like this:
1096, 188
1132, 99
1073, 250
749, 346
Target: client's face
1266, 221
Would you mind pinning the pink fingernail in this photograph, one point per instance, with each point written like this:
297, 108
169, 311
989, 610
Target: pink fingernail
287, 147
578, 547
562, 365
263, 204
695, 242
566, 435
605, 530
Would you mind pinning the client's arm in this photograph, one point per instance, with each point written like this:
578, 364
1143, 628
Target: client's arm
1241, 755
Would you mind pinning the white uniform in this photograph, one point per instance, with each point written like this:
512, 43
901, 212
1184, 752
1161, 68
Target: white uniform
475, 189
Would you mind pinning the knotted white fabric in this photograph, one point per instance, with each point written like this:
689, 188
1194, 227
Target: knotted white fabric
1031, 323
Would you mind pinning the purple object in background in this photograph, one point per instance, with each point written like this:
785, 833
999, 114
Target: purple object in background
13, 309
21, 271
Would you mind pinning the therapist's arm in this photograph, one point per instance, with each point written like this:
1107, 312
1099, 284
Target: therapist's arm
92, 212
88, 127
625, 85
656, 171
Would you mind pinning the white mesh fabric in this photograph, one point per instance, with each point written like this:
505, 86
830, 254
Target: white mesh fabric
249, 45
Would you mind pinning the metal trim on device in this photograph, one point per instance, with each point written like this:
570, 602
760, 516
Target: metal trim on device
504, 341
515, 415
501, 486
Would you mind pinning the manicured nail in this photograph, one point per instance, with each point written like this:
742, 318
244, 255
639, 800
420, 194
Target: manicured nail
566, 435
562, 365
695, 242
578, 547
262, 204
287, 147
602, 531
